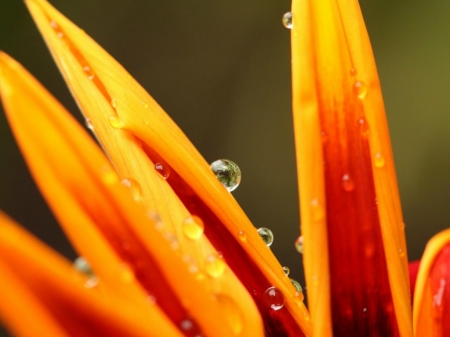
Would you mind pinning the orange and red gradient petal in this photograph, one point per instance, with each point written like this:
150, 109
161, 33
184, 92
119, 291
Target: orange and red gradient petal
432, 291
354, 245
137, 134
43, 295
126, 247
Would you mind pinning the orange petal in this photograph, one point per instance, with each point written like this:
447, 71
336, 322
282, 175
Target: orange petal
131, 255
42, 295
432, 293
354, 245
123, 115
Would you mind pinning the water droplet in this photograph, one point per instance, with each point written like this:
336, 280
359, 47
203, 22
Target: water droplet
145, 121
91, 282
163, 170
317, 210
401, 252
134, 187
299, 244
108, 175
193, 227
214, 265
126, 274
89, 73
287, 20
438, 303
353, 72
227, 172
347, 183
186, 325
144, 104
360, 89
402, 225
296, 285
115, 122
363, 127
286, 271
231, 312
267, 235
324, 136
242, 235
89, 124
299, 297
379, 160
274, 298
114, 103
83, 266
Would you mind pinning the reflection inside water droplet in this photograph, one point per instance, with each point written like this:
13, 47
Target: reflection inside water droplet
266, 235
274, 298
227, 172
287, 20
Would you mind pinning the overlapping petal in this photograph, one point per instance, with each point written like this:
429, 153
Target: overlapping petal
131, 255
137, 135
354, 245
432, 291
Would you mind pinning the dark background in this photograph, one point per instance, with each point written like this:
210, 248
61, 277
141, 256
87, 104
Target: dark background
221, 69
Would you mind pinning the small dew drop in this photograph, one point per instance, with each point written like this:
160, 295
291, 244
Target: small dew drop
363, 127
163, 170
186, 325
83, 266
144, 104
317, 210
227, 172
193, 227
286, 271
347, 183
296, 285
108, 175
88, 124
266, 235
353, 72
299, 297
231, 312
214, 265
299, 244
242, 235
360, 89
274, 298
134, 187
114, 103
145, 121
401, 252
115, 122
379, 160
287, 20
89, 73
402, 225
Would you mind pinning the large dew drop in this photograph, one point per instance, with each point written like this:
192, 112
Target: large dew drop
274, 298
227, 172
267, 235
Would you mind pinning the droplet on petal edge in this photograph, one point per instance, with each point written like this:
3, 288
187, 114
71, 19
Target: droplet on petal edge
227, 172
299, 244
299, 297
274, 298
286, 271
83, 266
266, 235
287, 20
89, 124
193, 227
242, 235
297, 285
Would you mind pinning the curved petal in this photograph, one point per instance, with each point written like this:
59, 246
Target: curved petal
354, 245
432, 292
123, 115
48, 297
126, 248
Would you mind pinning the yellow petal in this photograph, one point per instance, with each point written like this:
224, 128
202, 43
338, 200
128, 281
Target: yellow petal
105, 224
123, 115
346, 174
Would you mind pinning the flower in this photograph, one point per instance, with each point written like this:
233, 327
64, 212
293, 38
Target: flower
172, 252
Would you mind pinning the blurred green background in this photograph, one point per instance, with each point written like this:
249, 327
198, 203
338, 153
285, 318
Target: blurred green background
221, 69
